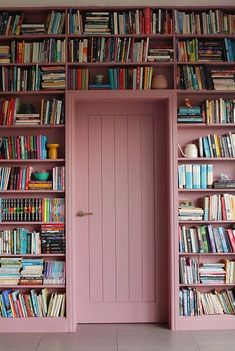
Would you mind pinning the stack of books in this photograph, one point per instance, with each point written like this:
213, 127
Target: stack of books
97, 23
54, 273
5, 54
192, 114
27, 119
211, 51
53, 238
190, 213
160, 55
31, 272
212, 273
32, 28
224, 184
53, 77
40, 185
223, 79
9, 270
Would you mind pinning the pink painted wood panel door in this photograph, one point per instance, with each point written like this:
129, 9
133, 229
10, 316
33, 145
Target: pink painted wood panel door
115, 180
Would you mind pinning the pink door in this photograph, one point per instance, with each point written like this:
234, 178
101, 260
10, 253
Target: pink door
115, 178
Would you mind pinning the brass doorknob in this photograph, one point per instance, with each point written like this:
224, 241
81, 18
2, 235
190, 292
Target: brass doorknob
82, 213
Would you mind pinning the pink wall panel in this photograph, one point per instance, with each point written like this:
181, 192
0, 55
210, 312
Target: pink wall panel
147, 200
135, 208
122, 232
95, 199
108, 209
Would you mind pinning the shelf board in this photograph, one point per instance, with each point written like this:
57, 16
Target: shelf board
204, 36
58, 160
28, 223
150, 36
31, 36
200, 285
32, 255
205, 159
39, 92
41, 126
9, 286
30, 64
205, 125
31, 192
204, 92
205, 190
36, 324
116, 64
206, 222
205, 254
207, 63
206, 322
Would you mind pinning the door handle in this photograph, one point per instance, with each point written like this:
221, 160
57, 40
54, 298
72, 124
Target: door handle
82, 213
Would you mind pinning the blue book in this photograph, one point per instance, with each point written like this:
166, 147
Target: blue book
222, 238
23, 241
189, 176
206, 147
203, 171
5, 295
3, 307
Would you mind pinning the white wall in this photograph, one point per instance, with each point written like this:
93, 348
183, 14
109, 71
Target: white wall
115, 2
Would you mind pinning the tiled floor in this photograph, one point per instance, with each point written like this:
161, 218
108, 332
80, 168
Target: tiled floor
121, 337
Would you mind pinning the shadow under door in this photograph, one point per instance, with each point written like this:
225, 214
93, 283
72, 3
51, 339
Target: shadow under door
121, 196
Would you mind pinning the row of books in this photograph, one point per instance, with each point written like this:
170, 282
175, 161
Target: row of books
15, 304
194, 50
193, 302
206, 238
219, 207
32, 209
23, 147
20, 241
31, 271
51, 239
103, 49
194, 272
139, 78
46, 51
215, 145
58, 178
138, 21
220, 110
21, 178
13, 111
206, 22
32, 78
13, 24
195, 176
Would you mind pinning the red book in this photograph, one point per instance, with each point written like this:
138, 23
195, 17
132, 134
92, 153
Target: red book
231, 238
79, 79
147, 20
223, 208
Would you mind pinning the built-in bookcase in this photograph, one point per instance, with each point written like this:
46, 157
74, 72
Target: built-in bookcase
46, 54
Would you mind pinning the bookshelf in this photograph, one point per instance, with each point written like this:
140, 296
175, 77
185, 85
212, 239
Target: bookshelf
97, 62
